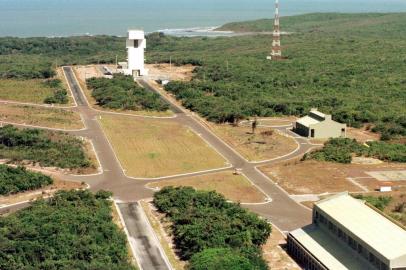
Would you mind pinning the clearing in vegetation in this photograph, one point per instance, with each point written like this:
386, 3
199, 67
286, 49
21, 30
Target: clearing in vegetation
47, 148
212, 233
33, 91
40, 116
341, 150
317, 177
341, 76
14, 180
71, 230
121, 92
234, 187
265, 143
154, 148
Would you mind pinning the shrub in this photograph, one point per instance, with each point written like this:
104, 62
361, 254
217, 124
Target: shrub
219, 258
14, 180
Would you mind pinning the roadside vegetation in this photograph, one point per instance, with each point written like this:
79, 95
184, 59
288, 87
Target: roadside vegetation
14, 180
59, 95
47, 148
71, 230
356, 71
212, 233
341, 150
123, 93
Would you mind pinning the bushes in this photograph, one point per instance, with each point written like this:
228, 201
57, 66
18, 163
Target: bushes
72, 230
205, 220
219, 258
14, 180
341, 150
60, 95
121, 92
341, 75
45, 147
379, 202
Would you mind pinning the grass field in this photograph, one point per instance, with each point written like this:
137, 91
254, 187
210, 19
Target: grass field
40, 116
154, 148
24, 90
264, 144
234, 187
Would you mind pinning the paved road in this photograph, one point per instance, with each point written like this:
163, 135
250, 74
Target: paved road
141, 237
282, 211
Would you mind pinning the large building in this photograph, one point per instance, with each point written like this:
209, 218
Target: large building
319, 125
135, 45
348, 234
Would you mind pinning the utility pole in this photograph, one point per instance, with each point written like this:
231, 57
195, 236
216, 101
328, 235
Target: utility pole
170, 63
276, 53
116, 62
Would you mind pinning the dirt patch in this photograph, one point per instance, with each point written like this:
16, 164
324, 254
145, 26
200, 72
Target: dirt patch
316, 177
171, 72
362, 134
275, 254
234, 187
265, 143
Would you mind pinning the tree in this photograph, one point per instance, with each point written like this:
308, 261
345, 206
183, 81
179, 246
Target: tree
254, 125
219, 258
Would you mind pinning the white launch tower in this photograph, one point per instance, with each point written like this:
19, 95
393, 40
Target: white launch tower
136, 45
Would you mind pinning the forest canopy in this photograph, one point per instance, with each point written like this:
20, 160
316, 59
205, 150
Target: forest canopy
71, 230
204, 222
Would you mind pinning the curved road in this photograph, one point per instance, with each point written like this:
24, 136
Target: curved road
282, 211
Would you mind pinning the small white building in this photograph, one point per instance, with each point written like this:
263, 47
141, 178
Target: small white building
135, 45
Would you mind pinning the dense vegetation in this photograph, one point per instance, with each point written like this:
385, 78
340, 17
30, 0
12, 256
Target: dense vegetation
72, 230
47, 148
350, 65
60, 95
122, 92
211, 231
341, 150
27, 58
14, 180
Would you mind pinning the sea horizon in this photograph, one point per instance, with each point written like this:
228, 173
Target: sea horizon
50, 18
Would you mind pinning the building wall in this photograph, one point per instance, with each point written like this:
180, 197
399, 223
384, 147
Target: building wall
327, 129
306, 260
345, 237
301, 130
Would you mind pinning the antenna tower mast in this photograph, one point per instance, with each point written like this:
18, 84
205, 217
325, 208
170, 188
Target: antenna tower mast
276, 53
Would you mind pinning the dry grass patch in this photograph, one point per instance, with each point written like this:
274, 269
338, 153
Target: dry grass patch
154, 148
266, 143
172, 72
234, 187
86, 72
24, 90
40, 116
275, 253
316, 177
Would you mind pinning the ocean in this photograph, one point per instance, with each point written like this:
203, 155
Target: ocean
193, 17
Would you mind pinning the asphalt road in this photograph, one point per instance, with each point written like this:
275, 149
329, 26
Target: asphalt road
282, 211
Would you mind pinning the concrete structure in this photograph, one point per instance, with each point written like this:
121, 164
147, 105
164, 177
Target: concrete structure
319, 125
136, 45
276, 53
348, 234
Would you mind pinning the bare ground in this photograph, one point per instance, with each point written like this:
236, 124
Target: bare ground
315, 177
234, 187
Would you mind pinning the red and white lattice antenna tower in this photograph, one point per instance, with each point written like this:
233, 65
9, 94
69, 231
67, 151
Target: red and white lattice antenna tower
276, 53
